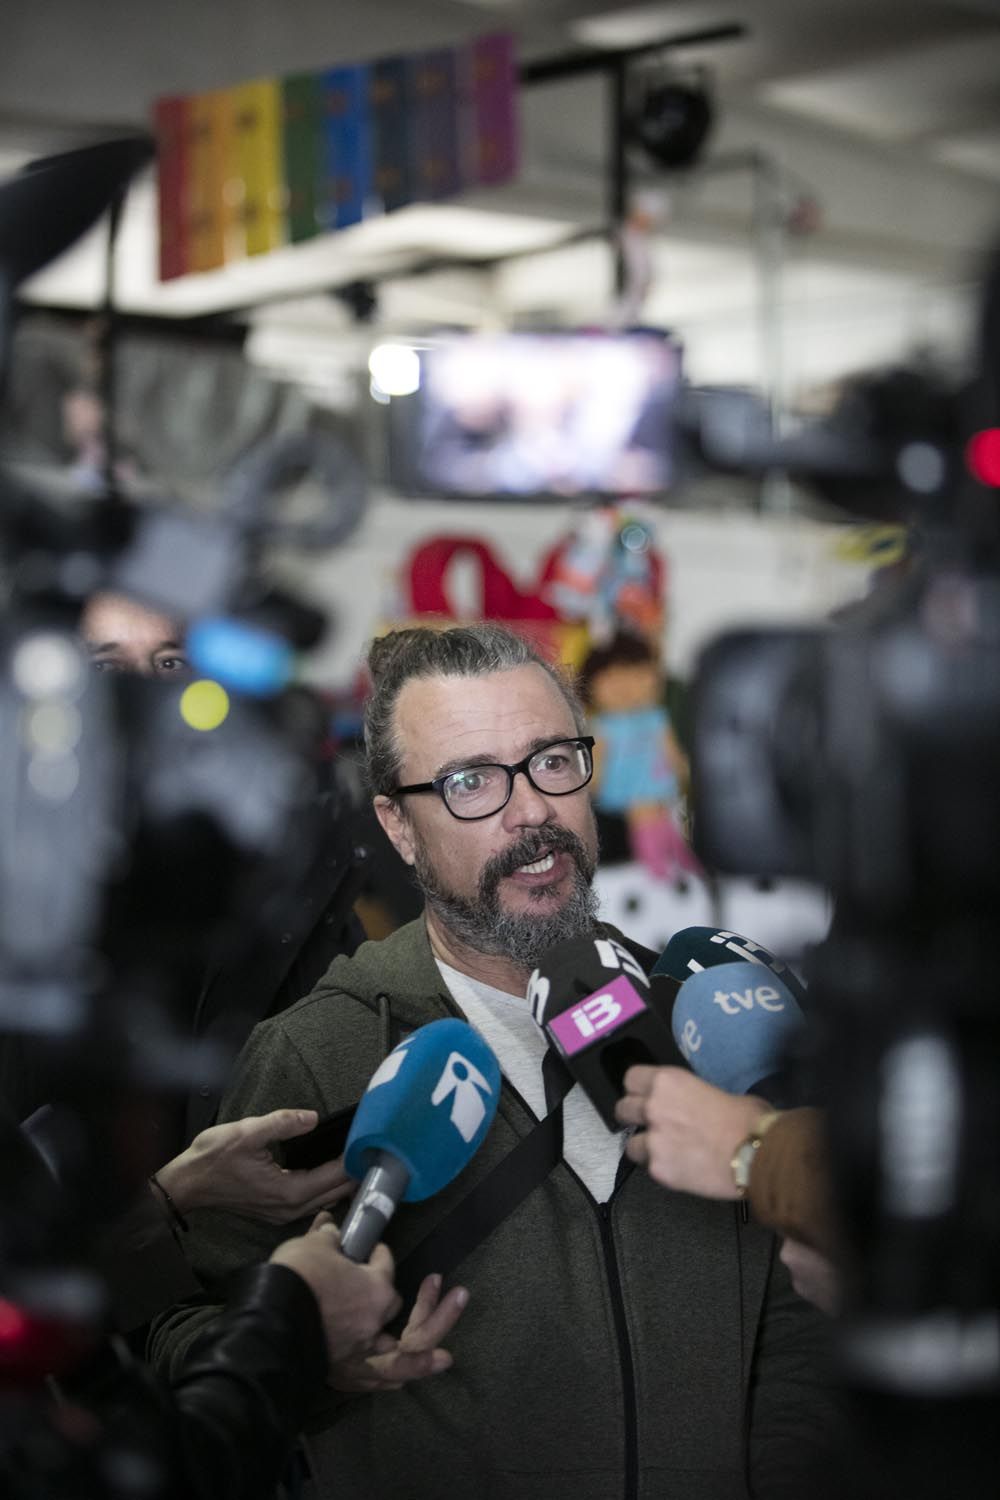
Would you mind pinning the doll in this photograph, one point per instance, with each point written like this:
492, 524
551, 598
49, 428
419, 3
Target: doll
641, 772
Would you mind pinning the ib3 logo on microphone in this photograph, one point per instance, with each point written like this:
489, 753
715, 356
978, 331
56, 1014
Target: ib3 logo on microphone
595, 1017
464, 1082
595, 1014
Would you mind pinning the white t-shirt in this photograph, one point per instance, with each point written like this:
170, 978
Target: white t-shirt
506, 1023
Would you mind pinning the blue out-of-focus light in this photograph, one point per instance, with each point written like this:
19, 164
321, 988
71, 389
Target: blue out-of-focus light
243, 657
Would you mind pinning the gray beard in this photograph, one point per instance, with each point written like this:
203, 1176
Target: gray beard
523, 937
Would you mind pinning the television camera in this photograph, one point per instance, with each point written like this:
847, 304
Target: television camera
145, 829
866, 756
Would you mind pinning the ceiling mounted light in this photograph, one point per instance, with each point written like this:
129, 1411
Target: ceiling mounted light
671, 120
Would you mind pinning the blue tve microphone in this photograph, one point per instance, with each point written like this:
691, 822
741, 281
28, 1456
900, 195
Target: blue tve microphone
735, 1023
696, 948
424, 1114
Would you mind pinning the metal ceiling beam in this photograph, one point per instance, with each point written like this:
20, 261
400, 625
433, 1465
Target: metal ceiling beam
614, 64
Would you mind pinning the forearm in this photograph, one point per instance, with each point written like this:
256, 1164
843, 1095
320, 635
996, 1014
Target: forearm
224, 1423
247, 1381
220, 1246
221, 1243
176, 1179
790, 1185
143, 1264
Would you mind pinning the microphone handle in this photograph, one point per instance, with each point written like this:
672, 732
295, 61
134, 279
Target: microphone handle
374, 1204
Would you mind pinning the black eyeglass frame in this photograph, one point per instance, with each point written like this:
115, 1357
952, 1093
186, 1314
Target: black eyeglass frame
437, 785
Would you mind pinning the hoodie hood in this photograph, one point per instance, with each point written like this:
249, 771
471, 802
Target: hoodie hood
401, 966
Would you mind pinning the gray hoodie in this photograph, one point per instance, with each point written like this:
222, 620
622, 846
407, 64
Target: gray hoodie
649, 1347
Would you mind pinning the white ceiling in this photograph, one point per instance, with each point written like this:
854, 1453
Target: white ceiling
885, 111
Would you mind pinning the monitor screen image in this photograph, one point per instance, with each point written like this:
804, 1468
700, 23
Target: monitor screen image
527, 415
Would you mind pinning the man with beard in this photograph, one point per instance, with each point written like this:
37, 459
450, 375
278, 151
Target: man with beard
620, 1339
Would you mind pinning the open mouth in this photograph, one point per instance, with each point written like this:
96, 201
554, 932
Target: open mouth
540, 861
540, 866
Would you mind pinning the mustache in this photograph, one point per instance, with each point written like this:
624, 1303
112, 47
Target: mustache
528, 848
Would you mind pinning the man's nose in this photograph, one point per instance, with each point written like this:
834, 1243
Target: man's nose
527, 807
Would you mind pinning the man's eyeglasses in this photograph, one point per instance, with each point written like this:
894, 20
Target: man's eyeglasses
479, 791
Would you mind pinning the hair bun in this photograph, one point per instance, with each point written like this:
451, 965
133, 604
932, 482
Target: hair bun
387, 649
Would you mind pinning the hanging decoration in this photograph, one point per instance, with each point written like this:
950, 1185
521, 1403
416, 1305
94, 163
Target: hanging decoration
276, 161
608, 574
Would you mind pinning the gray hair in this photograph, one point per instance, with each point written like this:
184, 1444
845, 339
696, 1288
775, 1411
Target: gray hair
460, 651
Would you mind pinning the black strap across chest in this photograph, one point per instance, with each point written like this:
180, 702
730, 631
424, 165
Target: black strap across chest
476, 1215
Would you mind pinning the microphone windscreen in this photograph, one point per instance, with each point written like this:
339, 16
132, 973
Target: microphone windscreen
429, 1104
696, 948
593, 1001
735, 1023
577, 968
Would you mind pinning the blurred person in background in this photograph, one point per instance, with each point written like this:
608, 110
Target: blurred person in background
229, 1166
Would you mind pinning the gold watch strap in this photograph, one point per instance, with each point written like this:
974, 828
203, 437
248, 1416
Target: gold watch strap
743, 1157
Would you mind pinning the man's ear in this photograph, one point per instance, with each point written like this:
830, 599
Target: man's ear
396, 826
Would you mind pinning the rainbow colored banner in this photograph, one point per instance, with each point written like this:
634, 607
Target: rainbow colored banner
277, 161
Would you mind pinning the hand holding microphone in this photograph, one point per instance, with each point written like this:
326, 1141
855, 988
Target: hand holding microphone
689, 1129
424, 1115
426, 1111
354, 1301
602, 1015
698, 1139
733, 1023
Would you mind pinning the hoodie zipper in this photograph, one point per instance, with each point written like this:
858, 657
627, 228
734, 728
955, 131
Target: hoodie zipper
624, 1348
626, 1366
603, 1212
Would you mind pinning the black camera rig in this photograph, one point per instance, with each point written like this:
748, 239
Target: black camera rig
865, 756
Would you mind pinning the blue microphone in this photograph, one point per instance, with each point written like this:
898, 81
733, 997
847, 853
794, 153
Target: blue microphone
424, 1114
735, 1024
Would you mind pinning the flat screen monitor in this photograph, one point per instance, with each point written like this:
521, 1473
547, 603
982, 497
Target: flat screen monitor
537, 415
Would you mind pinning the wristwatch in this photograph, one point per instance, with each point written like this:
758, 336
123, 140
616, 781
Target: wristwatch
742, 1161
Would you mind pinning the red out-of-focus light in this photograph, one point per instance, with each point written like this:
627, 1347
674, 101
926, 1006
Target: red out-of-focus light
13, 1323
33, 1345
982, 456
